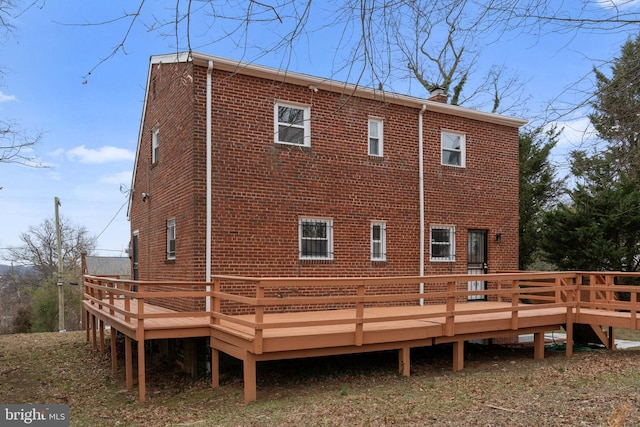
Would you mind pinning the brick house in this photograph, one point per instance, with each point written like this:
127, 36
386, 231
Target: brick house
247, 170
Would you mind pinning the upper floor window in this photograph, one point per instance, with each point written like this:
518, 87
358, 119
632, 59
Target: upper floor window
292, 124
453, 149
378, 241
155, 145
375, 137
443, 243
315, 238
171, 239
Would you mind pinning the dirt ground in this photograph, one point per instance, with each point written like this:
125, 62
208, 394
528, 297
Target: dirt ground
500, 386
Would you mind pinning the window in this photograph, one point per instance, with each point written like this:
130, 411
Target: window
375, 137
315, 238
171, 239
378, 241
155, 145
443, 243
292, 125
453, 149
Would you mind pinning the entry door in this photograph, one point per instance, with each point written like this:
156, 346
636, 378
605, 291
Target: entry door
477, 261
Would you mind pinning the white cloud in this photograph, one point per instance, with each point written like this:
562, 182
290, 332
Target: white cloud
5, 98
123, 177
100, 155
617, 4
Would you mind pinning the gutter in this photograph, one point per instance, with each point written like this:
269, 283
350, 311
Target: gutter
208, 220
421, 186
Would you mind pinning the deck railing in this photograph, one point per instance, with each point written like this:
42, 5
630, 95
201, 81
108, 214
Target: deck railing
259, 296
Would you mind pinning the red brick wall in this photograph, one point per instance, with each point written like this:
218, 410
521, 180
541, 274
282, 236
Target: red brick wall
260, 188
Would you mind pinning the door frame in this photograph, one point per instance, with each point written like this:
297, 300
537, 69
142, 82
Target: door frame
477, 261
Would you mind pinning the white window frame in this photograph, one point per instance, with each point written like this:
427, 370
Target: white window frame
171, 237
305, 126
451, 243
155, 145
380, 253
379, 137
328, 238
462, 150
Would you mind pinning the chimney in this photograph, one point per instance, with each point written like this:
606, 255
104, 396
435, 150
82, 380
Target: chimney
437, 94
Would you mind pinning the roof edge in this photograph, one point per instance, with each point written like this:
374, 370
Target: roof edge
348, 89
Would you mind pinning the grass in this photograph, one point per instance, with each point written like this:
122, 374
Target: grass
500, 386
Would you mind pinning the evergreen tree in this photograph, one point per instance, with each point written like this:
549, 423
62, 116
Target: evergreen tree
617, 108
600, 228
539, 188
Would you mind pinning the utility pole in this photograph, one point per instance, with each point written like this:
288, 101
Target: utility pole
61, 328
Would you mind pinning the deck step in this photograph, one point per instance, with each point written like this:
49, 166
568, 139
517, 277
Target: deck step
589, 334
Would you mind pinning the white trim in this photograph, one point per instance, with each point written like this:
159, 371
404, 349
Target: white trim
463, 148
380, 136
329, 238
306, 123
382, 241
171, 225
284, 75
155, 144
452, 243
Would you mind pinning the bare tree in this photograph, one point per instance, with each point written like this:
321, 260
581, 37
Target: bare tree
39, 247
16, 144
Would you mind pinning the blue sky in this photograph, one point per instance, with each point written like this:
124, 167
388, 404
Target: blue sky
90, 123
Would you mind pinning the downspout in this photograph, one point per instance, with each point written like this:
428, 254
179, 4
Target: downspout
421, 185
208, 225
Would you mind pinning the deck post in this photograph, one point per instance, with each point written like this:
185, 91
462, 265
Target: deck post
569, 332
538, 345
85, 317
215, 367
451, 307
404, 361
94, 332
458, 355
612, 339
114, 353
249, 368
359, 338
142, 390
128, 362
101, 325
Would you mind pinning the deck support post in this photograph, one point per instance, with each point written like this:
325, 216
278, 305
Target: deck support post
569, 333
458, 355
85, 318
538, 345
612, 339
94, 335
215, 367
249, 368
142, 388
101, 327
114, 353
128, 362
404, 361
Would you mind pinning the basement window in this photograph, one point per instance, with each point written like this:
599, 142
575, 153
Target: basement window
443, 243
315, 239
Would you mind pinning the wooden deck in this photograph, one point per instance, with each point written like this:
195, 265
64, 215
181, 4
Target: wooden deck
516, 304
